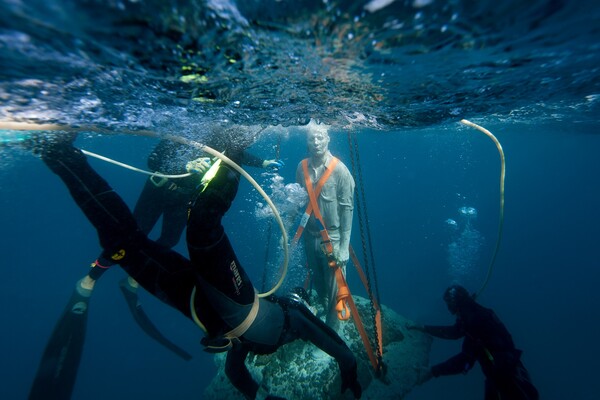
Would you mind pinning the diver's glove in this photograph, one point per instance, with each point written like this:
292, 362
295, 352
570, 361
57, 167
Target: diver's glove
273, 164
199, 165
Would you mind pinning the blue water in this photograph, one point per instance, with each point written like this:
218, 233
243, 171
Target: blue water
528, 72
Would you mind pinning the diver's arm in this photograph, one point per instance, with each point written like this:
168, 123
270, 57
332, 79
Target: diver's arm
251, 160
459, 364
302, 324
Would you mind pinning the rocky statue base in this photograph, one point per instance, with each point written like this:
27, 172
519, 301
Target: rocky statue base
299, 370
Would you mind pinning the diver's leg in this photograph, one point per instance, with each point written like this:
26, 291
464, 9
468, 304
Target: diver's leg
149, 206
161, 271
209, 247
238, 373
224, 281
516, 384
102, 206
208, 208
58, 368
57, 371
523, 381
490, 391
175, 213
304, 325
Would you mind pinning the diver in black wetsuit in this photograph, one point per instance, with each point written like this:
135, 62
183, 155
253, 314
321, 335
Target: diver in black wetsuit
170, 198
486, 340
225, 302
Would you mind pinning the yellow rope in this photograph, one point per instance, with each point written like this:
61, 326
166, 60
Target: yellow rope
501, 221
127, 166
193, 311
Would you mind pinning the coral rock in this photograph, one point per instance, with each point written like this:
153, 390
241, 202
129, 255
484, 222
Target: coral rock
301, 371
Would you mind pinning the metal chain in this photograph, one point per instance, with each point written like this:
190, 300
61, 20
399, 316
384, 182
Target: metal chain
359, 201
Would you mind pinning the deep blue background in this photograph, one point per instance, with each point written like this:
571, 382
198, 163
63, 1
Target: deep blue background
543, 286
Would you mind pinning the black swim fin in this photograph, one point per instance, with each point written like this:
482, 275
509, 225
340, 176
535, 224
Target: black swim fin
57, 371
130, 293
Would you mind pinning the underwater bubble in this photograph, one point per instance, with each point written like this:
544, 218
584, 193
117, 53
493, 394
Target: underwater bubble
468, 211
451, 222
287, 198
592, 97
421, 3
463, 253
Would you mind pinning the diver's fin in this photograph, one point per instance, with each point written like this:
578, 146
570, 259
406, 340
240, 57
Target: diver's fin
130, 293
57, 371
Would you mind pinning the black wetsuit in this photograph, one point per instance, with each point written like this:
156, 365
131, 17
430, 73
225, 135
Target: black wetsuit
486, 340
170, 198
225, 293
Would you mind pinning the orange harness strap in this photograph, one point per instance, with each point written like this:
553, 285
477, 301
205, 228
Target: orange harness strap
327, 246
345, 305
316, 191
363, 335
343, 294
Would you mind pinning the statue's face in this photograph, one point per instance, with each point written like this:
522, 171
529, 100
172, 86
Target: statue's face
317, 141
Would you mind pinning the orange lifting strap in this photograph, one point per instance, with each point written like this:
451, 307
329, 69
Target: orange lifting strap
341, 306
316, 191
345, 305
363, 278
